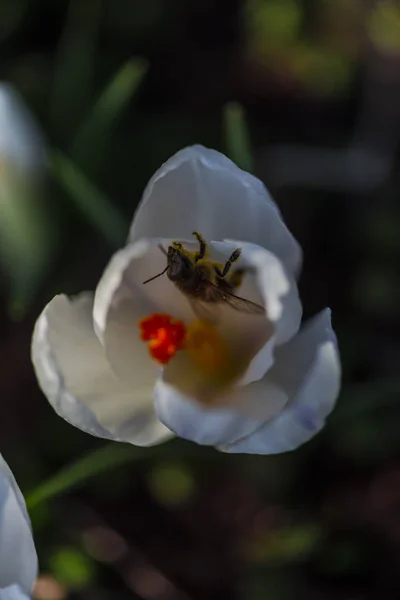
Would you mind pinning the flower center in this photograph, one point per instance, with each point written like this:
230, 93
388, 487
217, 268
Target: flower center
206, 349
201, 342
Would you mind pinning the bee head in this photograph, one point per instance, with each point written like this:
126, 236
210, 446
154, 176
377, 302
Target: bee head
178, 264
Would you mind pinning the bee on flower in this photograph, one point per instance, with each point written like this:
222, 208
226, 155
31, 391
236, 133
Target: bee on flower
194, 328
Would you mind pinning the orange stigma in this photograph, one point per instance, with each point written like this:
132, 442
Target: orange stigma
165, 335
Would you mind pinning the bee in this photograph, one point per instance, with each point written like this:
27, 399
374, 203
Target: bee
206, 284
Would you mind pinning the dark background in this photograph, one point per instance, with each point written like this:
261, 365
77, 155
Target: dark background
320, 83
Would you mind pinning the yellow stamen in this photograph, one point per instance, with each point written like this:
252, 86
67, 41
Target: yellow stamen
206, 349
202, 343
196, 357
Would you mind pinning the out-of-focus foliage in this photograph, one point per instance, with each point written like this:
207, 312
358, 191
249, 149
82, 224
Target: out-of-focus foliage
238, 143
117, 87
281, 37
90, 145
274, 23
71, 567
383, 26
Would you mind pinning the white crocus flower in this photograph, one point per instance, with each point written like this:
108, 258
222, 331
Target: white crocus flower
18, 560
244, 382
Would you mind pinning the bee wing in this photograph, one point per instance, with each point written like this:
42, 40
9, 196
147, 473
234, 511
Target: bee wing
238, 303
205, 311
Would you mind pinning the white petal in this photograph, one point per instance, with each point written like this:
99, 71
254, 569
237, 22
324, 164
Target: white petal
121, 301
20, 138
18, 560
115, 285
308, 369
75, 376
260, 364
200, 189
223, 425
278, 289
13, 592
280, 296
123, 281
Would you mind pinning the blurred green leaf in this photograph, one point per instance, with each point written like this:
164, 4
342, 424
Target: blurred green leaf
108, 457
289, 544
96, 207
41, 516
172, 484
269, 584
237, 136
114, 455
71, 567
383, 26
11, 14
272, 22
132, 21
90, 144
74, 67
26, 240
323, 70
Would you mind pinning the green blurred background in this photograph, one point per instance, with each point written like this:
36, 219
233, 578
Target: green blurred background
117, 87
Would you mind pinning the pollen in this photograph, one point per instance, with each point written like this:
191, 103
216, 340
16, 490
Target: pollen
165, 335
200, 343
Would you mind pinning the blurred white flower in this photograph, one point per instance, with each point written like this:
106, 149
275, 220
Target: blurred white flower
24, 231
21, 142
18, 560
245, 382
13, 592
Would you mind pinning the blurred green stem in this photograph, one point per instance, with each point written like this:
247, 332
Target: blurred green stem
237, 136
91, 202
108, 457
89, 147
75, 66
381, 394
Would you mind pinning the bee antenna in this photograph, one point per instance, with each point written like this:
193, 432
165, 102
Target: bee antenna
155, 276
163, 250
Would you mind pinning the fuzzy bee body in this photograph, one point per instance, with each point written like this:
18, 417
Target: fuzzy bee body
191, 279
204, 282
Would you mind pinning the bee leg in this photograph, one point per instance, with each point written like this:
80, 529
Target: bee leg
203, 247
236, 278
177, 245
233, 258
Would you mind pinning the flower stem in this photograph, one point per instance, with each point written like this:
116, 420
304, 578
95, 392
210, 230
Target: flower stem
96, 462
94, 204
237, 136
